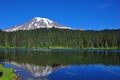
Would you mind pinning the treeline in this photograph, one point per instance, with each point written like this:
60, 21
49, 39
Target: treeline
59, 38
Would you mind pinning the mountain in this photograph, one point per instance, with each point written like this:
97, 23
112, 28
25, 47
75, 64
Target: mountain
35, 23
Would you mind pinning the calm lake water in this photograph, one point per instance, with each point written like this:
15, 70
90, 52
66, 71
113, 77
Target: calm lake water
65, 64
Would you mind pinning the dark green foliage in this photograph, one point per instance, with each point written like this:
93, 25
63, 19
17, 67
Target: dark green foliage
62, 57
52, 38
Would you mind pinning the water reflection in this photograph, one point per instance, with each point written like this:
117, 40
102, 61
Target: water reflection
62, 57
2, 58
86, 72
58, 64
71, 72
36, 70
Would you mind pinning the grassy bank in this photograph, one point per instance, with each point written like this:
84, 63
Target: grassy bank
6, 73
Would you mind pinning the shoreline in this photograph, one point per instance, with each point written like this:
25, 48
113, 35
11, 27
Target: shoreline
7, 73
53, 48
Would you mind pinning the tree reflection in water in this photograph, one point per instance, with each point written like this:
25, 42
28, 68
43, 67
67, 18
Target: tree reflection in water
43, 63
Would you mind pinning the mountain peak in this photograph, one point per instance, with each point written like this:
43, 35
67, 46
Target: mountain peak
37, 18
43, 19
35, 23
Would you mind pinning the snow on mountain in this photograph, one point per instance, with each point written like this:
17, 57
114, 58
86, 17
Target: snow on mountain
37, 71
35, 23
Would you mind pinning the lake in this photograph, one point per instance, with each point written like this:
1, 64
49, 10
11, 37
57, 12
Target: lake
63, 64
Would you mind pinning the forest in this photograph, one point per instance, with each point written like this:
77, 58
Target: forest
61, 38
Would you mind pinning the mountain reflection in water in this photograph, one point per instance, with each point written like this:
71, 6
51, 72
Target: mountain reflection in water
71, 72
65, 64
35, 70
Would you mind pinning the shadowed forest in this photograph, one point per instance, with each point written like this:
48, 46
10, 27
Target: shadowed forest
57, 38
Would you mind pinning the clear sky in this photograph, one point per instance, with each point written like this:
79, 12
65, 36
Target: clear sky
86, 14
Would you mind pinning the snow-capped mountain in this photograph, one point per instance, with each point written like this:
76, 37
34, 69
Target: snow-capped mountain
35, 23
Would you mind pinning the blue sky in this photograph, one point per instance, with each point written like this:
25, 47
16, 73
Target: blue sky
85, 14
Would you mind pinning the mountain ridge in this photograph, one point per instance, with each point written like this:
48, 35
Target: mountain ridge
36, 23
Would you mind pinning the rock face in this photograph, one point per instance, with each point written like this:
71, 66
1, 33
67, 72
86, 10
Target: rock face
35, 23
